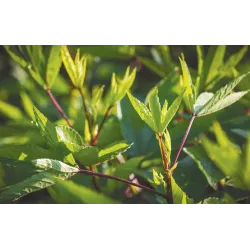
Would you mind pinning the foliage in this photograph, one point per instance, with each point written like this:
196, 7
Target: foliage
123, 141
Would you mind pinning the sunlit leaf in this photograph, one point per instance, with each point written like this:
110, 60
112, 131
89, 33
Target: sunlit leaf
155, 107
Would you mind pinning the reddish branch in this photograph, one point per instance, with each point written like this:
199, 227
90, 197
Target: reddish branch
184, 139
95, 139
121, 180
57, 106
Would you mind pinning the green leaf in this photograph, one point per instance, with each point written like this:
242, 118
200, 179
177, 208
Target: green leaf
68, 63
70, 192
11, 111
179, 197
53, 65
113, 150
155, 107
58, 166
46, 127
87, 155
188, 85
26, 152
27, 104
222, 99
125, 84
143, 112
206, 166
153, 66
15, 57
168, 116
70, 137
27, 186
216, 63
36, 175
202, 99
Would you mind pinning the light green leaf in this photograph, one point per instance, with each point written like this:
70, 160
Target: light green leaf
58, 166
46, 127
168, 116
68, 63
143, 112
202, 99
179, 197
70, 192
219, 100
188, 85
155, 107
15, 57
113, 150
27, 104
216, 63
72, 140
125, 84
53, 65
11, 111
227, 101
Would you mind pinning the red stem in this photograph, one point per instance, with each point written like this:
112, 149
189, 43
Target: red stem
121, 180
184, 139
95, 140
58, 107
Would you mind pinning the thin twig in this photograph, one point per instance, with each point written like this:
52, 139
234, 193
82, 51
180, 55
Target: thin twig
184, 139
58, 107
95, 139
86, 112
121, 180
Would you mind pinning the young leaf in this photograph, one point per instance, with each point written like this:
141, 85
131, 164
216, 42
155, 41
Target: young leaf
68, 63
15, 57
168, 116
216, 62
143, 112
155, 107
222, 99
125, 84
53, 65
188, 85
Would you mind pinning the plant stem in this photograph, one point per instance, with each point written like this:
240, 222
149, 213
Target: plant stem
95, 139
58, 107
121, 180
86, 113
184, 139
166, 167
94, 179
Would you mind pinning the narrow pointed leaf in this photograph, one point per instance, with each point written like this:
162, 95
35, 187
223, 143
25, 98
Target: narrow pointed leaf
143, 112
202, 99
155, 107
68, 63
168, 116
217, 101
53, 65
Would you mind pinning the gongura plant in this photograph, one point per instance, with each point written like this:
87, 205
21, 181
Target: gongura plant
92, 143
